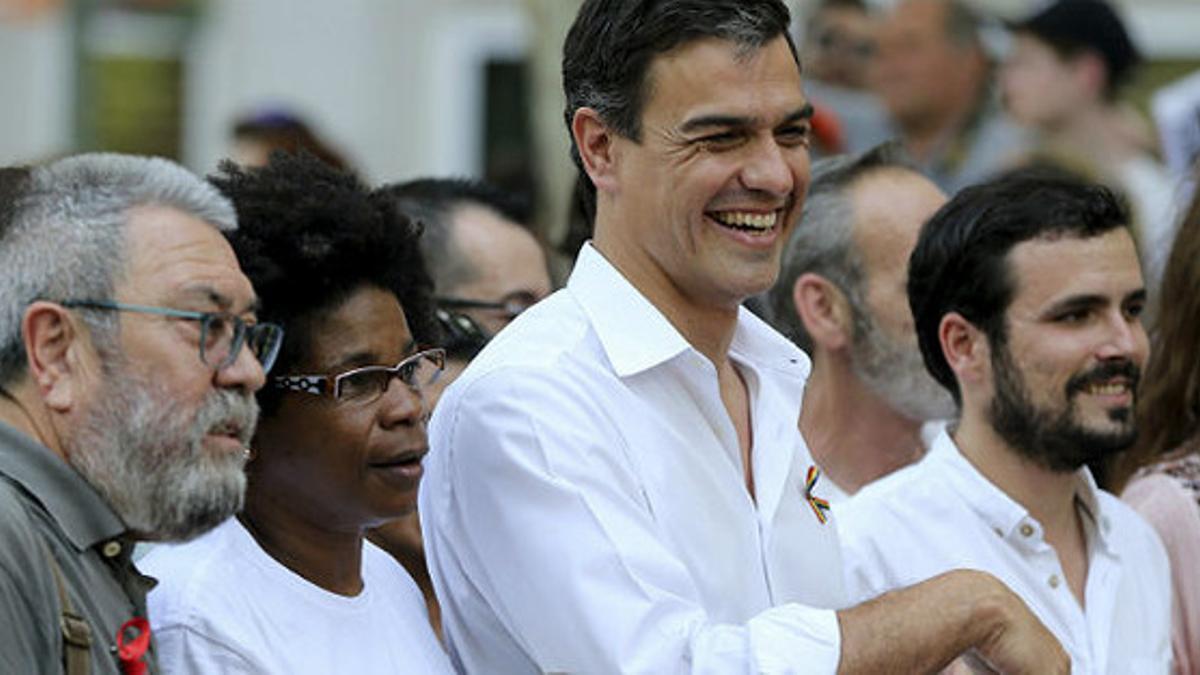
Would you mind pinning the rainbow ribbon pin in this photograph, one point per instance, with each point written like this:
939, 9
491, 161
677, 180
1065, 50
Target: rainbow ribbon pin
819, 506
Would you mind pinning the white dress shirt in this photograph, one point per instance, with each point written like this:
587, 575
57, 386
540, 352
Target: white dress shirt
584, 508
942, 514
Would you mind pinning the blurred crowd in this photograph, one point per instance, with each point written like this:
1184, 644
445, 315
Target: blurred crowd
879, 353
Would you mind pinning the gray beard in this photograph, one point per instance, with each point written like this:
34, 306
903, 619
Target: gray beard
896, 373
146, 456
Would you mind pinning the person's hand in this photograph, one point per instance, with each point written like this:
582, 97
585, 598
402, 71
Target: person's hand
1019, 644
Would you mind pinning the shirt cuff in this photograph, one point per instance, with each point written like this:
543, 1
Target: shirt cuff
794, 638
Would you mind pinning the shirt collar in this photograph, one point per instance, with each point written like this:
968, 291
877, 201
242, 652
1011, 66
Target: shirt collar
70, 500
636, 336
1002, 513
755, 341
1087, 496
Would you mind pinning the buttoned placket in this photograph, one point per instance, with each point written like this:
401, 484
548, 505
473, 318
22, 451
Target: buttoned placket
1028, 538
1103, 572
1084, 622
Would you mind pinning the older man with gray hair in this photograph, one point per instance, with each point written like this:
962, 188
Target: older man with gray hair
129, 354
841, 298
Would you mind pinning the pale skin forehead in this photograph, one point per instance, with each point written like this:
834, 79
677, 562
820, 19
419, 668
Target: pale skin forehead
691, 67
178, 260
1049, 271
506, 258
890, 206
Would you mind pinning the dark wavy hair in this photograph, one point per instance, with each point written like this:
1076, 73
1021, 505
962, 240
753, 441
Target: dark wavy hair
310, 235
960, 262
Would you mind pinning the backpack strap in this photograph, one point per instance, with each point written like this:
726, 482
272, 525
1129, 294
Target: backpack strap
76, 633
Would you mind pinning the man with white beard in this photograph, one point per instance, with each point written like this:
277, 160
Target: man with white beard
129, 355
870, 407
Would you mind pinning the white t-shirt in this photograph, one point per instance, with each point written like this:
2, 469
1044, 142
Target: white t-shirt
942, 514
584, 507
222, 605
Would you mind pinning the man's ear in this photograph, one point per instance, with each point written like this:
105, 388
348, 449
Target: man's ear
594, 140
54, 351
824, 310
965, 347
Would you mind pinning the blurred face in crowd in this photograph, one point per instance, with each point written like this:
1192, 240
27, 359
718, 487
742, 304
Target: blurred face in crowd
706, 198
1041, 89
163, 435
509, 264
890, 206
839, 46
920, 71
345, 464
1065, 378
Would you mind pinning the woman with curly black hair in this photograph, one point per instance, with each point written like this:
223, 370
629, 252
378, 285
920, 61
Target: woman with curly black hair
289, 585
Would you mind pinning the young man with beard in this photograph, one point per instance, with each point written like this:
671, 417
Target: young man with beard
129, 357
617, 483
1027, 296
870, 407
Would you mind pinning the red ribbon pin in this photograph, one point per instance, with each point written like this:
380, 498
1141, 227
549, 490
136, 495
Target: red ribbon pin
133, 641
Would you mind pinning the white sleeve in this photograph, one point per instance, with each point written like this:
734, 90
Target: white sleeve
551, 528
183, 650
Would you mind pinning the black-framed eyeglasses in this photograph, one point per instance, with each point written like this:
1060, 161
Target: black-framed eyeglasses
511, 304
367, 384
221, 334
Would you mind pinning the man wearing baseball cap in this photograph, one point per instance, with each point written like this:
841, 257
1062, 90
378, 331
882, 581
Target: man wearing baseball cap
1063, 78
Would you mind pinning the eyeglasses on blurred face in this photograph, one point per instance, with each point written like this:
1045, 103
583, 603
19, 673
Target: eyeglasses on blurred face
511, 304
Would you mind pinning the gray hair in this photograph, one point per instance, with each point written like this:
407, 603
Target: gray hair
66, 235
823, 241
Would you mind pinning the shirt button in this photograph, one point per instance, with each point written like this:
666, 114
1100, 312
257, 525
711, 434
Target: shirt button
1054, 581
1026, 530
111, 549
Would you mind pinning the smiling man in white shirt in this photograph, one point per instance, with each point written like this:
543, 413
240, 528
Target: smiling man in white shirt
617, 483
1027, 294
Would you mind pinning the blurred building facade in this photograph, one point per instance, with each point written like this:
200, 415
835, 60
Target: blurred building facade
401, 86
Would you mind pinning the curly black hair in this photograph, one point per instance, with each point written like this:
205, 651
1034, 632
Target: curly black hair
310, 235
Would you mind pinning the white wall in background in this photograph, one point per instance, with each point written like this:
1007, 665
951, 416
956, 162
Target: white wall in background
393, 83
36, 89
390, 82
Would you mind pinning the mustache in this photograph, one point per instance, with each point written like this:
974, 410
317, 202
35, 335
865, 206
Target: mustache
1104, 372
229, 410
